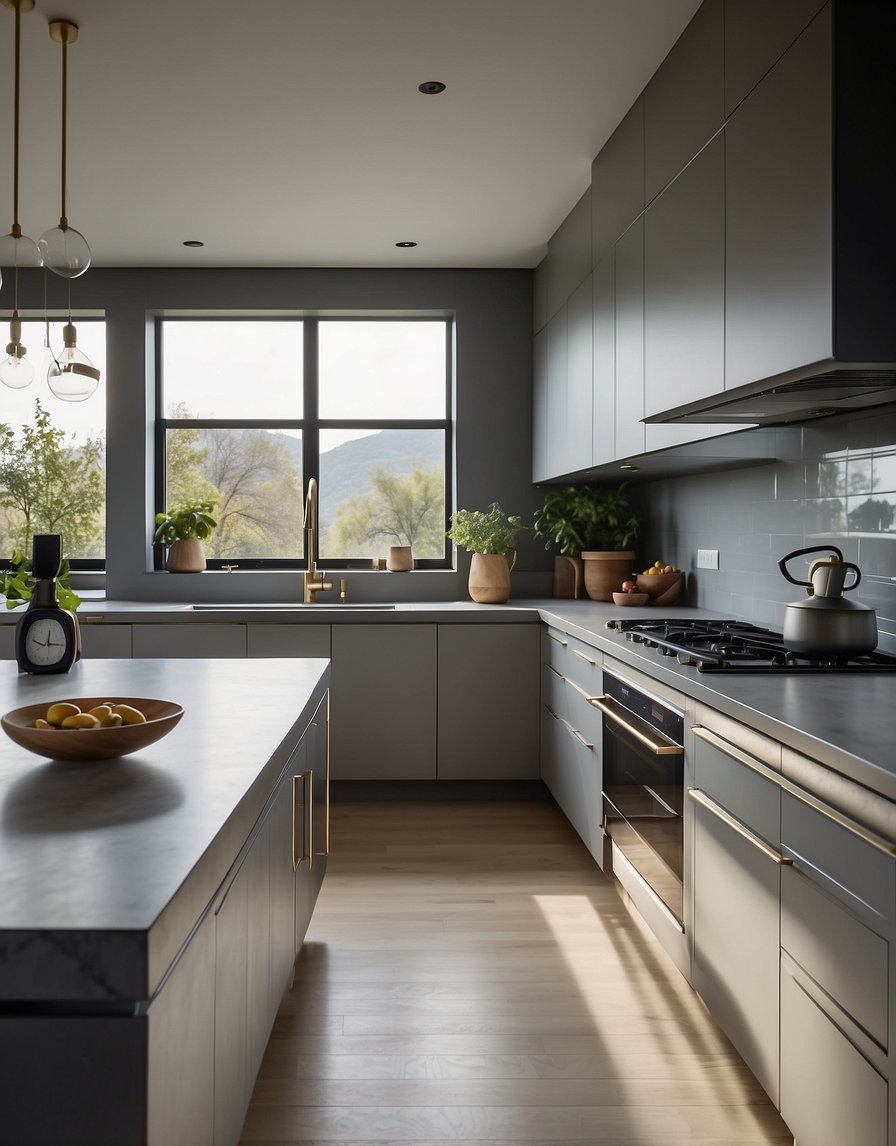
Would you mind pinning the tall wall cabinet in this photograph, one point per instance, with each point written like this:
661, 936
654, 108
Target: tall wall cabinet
740, 227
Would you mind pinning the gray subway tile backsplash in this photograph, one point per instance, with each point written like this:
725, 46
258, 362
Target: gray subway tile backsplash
834, 483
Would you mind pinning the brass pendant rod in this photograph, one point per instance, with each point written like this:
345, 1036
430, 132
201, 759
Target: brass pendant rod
16, 230
64, 32
62, 219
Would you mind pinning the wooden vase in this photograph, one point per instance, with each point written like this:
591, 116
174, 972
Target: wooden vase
185, 556
489, 582
568, 577
605, 570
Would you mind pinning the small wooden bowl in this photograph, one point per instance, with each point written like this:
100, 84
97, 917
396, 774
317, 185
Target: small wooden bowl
629, 598
91, 743
661, 588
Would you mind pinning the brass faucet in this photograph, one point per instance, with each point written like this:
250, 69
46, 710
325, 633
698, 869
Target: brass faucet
313, 581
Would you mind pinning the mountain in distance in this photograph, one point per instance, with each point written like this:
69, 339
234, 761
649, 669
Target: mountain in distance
345, 470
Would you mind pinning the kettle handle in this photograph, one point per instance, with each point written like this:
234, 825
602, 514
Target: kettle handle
782, 564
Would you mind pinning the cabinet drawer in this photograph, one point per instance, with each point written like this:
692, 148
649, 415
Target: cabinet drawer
555, 649
754, 801
583, 665
839, 861
844, 957
830, 1093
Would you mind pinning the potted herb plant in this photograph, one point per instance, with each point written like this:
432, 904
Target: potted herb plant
489, 535
183, 528
596, 523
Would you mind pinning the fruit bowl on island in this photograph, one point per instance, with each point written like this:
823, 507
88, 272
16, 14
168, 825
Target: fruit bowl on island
662, 583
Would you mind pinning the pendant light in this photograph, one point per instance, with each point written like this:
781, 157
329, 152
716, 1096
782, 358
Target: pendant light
64, 250
16, 249
71, 375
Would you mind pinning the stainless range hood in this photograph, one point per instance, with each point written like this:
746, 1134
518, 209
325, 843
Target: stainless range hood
815, 391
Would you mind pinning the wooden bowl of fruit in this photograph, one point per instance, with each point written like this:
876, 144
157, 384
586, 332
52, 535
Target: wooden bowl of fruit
662, 583
91, 728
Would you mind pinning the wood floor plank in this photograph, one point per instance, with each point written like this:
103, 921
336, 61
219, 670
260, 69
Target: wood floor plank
469, 976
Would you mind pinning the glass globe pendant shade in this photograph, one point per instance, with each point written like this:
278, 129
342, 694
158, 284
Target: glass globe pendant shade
72, 376
15, 372
17, 250
64, 251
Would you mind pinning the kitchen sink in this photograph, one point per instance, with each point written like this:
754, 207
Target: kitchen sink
288, 607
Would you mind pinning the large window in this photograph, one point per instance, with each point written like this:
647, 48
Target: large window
249, 409
53, 453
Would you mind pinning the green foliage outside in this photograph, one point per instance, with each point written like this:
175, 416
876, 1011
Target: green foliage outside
480, 531
48, 485
400, 509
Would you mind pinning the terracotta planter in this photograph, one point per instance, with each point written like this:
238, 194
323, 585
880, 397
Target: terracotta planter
399, 559
489, 582
568, 577
605, 570
186, 556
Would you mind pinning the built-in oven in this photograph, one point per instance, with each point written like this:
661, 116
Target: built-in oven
643, 786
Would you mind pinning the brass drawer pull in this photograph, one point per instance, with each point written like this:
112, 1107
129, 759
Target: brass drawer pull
575, 732
558, 640
588, 660
701, 798
640, 731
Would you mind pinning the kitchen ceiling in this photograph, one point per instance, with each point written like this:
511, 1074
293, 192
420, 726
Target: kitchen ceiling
292, 133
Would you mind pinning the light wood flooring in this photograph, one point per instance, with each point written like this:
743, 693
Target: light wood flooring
469, 976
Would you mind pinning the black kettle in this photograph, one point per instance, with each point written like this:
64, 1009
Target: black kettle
826, 623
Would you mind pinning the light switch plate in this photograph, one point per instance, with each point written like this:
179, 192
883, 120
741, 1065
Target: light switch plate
707, 558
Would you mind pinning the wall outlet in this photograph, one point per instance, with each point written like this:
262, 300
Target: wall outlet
707, 558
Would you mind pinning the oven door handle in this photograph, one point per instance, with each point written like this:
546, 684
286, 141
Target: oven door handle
707, 802
642, 732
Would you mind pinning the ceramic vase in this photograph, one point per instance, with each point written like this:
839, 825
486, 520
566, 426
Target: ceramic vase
185, 556
605, 570
399, 559
489, 582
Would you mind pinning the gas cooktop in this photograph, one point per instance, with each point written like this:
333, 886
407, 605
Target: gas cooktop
737, 646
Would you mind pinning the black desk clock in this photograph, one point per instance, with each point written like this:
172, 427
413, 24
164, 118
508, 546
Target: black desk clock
47, 637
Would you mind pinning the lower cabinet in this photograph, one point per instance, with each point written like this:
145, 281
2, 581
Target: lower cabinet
384, 702
570, 735
261, 916
737, 859
488, 702
189, 640
837, 925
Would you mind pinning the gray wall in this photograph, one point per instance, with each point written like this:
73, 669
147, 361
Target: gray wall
493, 311
824, 472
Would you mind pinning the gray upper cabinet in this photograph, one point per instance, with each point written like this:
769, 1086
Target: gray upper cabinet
629, 389
603, 437
684, 285
757, 33
577, 452
569, 255
540, 406
540, 295
617, 183
684, 101
557, 368
779, 241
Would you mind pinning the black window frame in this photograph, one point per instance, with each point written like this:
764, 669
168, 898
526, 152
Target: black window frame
310, 425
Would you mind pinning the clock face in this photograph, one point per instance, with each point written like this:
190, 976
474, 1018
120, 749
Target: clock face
45, 641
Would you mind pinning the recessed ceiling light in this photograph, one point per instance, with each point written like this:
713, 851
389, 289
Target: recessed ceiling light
431, 87
406, 243
193, 243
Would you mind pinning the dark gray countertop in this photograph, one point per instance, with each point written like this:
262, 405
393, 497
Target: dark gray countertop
845, 722
105, 867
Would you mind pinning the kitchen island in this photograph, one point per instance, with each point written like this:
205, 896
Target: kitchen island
152, 905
